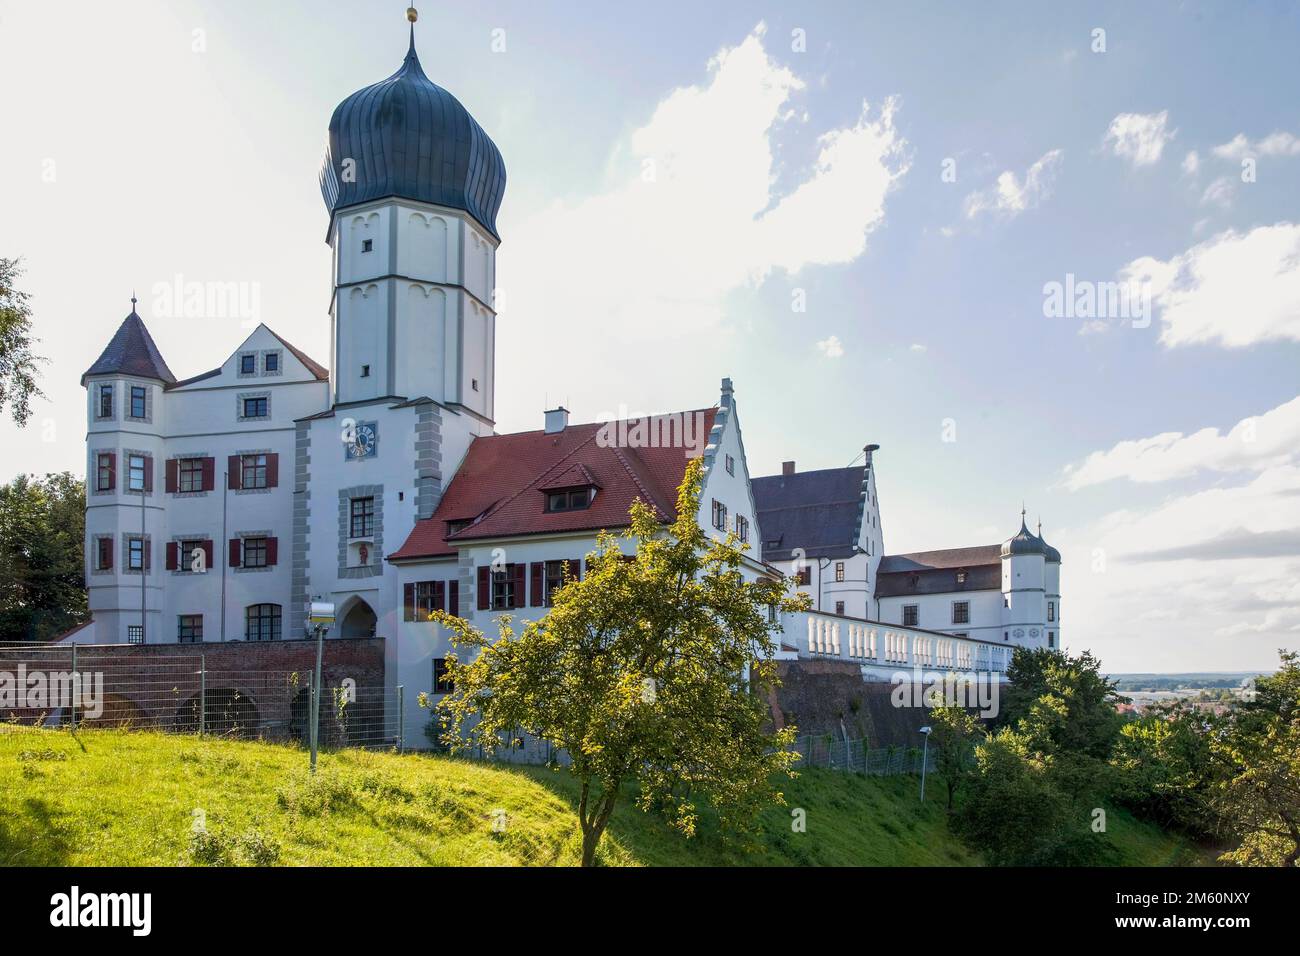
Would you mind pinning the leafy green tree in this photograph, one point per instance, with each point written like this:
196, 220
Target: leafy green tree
1258, 755
1092, 722
17, 360
42, 582
954, 733
650, 673
1165, 769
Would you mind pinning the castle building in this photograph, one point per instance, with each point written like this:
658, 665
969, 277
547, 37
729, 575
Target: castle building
219, 505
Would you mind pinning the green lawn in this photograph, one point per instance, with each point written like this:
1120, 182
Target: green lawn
130, 798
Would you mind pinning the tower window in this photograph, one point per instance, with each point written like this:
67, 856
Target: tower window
362, 518
103, 554
473, 383
839, 608
365, 371
135, 473
138, 403
135, 554
106, 401
103, 472
367, 245
1051, 610
839, 570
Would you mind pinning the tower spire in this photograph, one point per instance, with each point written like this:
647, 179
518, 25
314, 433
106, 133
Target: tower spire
412, 15
133, 300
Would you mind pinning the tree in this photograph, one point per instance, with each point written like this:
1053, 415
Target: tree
1165, 769
953, 735
1258, 757
649, 671
17, 361
1092, 722
42, 582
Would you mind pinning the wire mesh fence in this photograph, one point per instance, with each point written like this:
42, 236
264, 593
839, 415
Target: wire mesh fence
61, 687
854, 756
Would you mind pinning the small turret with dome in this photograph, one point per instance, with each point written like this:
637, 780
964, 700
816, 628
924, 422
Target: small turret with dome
1024, 542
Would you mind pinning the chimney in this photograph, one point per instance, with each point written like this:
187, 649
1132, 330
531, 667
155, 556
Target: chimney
787, 468
557, 420
867, 451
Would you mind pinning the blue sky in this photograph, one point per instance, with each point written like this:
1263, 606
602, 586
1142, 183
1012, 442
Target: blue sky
140, 150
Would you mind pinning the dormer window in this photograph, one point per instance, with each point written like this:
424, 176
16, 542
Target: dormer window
456, 527
961, 577
570, 499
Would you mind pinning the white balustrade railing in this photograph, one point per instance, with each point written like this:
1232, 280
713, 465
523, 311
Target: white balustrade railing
818, 634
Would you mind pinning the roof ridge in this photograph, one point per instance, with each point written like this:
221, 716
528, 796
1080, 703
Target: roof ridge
319, 371
535, 483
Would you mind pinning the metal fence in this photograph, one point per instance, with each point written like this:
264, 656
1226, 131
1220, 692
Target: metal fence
854, 756
64, 687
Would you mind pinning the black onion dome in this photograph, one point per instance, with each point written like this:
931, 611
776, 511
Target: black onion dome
411, 139
1024, 542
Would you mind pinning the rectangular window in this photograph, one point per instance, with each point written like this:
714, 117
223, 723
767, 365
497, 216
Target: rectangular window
271, 362
553, 580
428, 598
961, 577
138, 401
365, 371
440, 683
253, 471
503, 589
742, 529
189, 474
135, 634
367, 245
106, 401
262, 622
1051, 639
1051, 610
135, 473
256, 407
247, 364
362, 518
571, 499
103, 472
189, 629
185, 559
911, 615
103, 554
839, 608
135, 554
254, 553
804, 577
719, 515
961, 612
839, 570
731, 465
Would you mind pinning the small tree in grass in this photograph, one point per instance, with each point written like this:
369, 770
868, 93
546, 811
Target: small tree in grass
954, 733
646, 671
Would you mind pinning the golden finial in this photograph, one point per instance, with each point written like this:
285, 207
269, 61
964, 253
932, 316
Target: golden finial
412, 14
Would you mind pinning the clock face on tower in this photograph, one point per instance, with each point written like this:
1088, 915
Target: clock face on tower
365, 440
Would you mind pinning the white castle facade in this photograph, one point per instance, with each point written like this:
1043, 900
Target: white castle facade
219, 505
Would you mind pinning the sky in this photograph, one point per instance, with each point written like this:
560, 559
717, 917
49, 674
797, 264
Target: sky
1042, 256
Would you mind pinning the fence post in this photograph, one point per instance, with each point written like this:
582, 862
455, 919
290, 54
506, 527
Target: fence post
76, 688
203, 694
401, 718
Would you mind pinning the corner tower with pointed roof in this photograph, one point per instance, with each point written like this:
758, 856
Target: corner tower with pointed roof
412, 185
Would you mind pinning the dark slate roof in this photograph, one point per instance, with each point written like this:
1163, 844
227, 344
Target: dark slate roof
131, 351
817, 511
412, 139
1025, 542
935, 572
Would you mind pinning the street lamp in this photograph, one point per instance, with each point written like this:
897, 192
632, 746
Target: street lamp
925, 755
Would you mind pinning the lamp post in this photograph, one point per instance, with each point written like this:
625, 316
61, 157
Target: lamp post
925, 759
320, 615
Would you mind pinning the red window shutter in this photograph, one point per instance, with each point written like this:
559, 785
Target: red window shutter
170, 475
172, 550
234, 552
207, 551
112, 471
408, 602
453, 598
272, 551
484, 587
235, 472
209, 475
106, 555
272, 471
439, 595
519, 595
576, 567
148, 473
539, 579
148, 555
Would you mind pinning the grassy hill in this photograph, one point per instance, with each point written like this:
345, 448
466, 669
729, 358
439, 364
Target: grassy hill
121, 798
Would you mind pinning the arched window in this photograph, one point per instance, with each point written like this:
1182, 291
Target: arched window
262, 622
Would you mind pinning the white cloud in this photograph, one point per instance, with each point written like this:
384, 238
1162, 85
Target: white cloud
917, 347
1279, 143
1139, 137
1234, 289
1220, 192
1255, 444
1191, 163
832, 347
689, 216
1011, 195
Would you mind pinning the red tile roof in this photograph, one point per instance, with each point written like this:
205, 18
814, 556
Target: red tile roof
502, 479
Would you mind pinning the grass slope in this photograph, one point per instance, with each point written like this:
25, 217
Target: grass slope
120, 798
